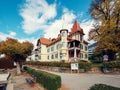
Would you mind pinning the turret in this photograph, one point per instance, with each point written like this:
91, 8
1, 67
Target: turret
64, 34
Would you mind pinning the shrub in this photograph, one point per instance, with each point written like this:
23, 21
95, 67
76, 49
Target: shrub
51, 64
96, 61
82, 64
66, 65
48, 80
103, 87
85, 65
112, 64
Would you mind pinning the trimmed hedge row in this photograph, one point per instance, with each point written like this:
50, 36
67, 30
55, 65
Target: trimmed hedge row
51, 64
103, 87
112, 64
82, 65
48, 80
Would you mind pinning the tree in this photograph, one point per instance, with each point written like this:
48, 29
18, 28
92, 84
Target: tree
15, 50
106, 30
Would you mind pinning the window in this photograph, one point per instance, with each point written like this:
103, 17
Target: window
86, 56
48, 57
39, 57
81, 37
60, 54
63, 34
56, 55
86, 48
60, 46
52, 48
68, 45
81, 55
52, 57
57, 46
48, 50
39, 44
63, 44
81, 46
40, 51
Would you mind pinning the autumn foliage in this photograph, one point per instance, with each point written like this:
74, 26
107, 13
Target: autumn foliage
106, 31
15, 50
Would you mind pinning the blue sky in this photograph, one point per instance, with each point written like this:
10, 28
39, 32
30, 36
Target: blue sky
32, 19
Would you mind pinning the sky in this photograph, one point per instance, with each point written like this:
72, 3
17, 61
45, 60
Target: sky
28, 20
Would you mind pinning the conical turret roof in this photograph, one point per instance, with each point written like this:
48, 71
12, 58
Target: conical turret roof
76, 27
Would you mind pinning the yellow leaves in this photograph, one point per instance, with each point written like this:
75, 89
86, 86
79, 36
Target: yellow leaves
15, 49
106, 12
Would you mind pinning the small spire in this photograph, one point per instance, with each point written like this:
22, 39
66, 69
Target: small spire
76, 27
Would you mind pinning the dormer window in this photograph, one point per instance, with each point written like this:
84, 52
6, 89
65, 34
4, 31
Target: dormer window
39, 44
62, 34
81, 37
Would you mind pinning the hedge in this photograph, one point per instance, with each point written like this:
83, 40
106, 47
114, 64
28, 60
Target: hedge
48, 80
82, 65
103, 87
85, 65
112, 64
51, 64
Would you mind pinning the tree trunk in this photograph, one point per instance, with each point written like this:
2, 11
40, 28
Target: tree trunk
18, 68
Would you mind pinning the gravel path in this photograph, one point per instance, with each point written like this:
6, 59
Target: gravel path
85, 81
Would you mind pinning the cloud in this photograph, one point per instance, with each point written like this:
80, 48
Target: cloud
35, 14
11, 33
86, 25
32, 40
3, 36
65, 21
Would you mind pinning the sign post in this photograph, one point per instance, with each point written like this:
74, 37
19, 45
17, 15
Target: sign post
74, 66
105, 59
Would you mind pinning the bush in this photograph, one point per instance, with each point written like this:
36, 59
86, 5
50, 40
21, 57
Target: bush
85, 65
66, 65
48, 80
112, 64
82, 64
96, 61
51, 64
103, 87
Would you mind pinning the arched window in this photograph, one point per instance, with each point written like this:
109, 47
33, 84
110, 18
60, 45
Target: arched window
52, 57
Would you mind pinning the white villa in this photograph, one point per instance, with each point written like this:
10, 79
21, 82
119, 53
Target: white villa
68, 46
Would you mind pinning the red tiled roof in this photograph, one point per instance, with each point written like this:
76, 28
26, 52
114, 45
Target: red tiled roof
45, 41
69, 38
76, 27
54, 40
